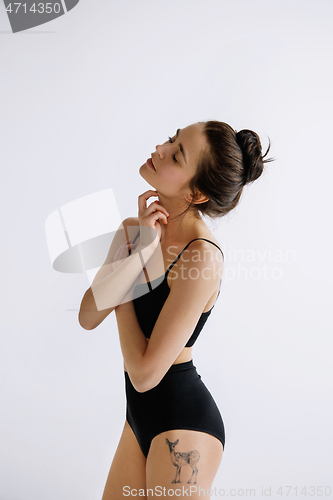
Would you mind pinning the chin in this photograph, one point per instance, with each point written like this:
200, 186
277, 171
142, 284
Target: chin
142, 172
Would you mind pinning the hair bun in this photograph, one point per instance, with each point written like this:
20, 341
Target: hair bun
250, 145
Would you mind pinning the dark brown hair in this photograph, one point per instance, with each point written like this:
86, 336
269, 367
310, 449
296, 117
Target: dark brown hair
232, 160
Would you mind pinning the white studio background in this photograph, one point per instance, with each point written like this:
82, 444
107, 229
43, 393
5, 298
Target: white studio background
84, 100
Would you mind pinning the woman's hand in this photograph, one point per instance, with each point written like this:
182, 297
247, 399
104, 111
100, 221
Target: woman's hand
148, 219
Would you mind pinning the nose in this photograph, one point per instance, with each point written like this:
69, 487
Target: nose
160, 151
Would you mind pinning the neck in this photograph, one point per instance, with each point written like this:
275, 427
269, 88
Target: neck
180, 221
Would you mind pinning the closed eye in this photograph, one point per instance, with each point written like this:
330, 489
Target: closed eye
173, 156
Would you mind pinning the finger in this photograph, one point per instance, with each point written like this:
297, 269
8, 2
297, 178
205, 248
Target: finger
154, 216
156, 206
147, 192
142, 200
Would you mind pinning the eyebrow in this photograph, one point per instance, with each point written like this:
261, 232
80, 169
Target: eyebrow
181, 147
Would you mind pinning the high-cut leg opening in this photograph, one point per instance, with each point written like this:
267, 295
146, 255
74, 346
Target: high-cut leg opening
195, 429
139, 441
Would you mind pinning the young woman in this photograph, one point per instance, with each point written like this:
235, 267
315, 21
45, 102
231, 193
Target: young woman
162, 277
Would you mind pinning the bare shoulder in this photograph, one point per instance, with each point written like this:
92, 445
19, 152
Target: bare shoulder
204, 252
200, 261
131, 221
208, 242
130, 226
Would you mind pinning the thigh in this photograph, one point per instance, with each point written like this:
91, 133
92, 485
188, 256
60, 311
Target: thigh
181, 460
128, 468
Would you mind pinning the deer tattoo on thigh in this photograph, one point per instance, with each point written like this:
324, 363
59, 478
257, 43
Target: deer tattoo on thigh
179, 459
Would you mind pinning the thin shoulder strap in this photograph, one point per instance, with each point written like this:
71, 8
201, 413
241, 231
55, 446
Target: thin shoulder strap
181, 253
136, 237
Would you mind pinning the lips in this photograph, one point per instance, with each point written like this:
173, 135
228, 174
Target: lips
150, 164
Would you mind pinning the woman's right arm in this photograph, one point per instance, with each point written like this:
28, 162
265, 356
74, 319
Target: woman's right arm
114, 278
119, 272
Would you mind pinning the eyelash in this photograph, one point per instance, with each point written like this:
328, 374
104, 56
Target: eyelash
173, 156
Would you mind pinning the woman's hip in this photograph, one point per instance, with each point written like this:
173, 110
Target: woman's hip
181, 396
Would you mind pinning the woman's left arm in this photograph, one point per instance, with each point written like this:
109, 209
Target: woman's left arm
198, 280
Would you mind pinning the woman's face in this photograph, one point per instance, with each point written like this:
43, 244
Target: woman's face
174, 163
